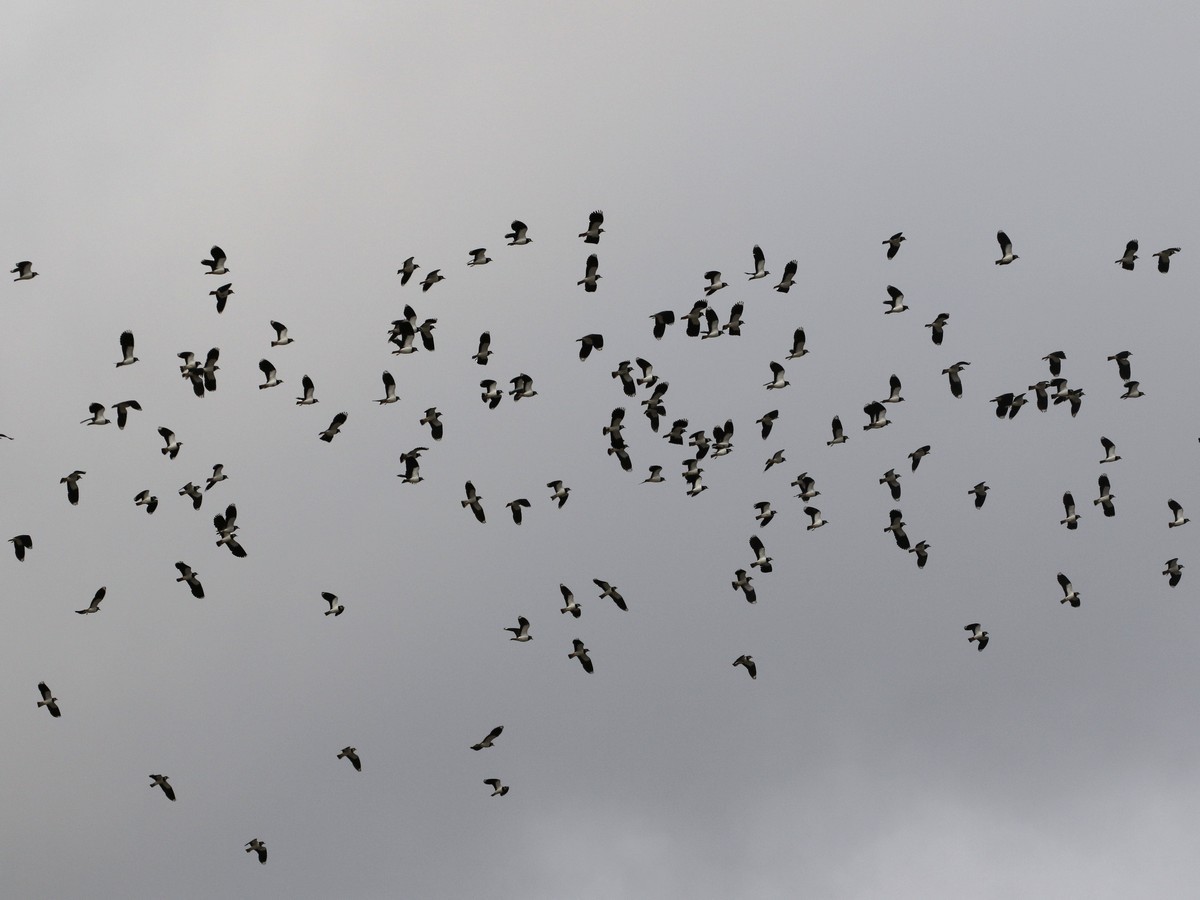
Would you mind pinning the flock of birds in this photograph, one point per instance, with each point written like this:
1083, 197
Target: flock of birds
411, 333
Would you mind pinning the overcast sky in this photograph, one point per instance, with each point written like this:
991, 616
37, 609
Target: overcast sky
877, 754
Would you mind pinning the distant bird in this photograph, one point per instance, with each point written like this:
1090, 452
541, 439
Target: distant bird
21, 543
479, 257
839, 436
760, 265
1004, 404
1070, 595
1174, 568
425, 329
186, 573
569, 598
815, 520
797, 350
127, 357
222, 293
521, 632
624, 371
1110, 450
778, 381
894, 388
1072, 517
519, 234
592, 235
743, 582
23, 271
1105, 500
655, 476
144, 499
921, 548
748, 661
776, 458
334, 427
789, 276
485, 348
765, 513
661, 321
893, 244
98, 418
693, 317
892, 480
878, 415
498, 789
939, 327
896, 527
72, 483
588, 343
431, 279
412, 466
610, 591
767, 422
95, 604
160, 781
955, 380
516, 507
714, 324
433, 419
1006, 257
190, 490
351, 754
734, 326
560, 492
122, 409
48, 700
589, 274
1043, 398
522, 387
335, 606
1126, 261
309, 388
1164, 258
714, 282
1124, 369
1055, 360
977, 634
491, 394
216, 265
1177, 512
581, 653
917, 455
257, 846
980, 491
406, 271
268, 371
171, 450
281, 334
761, 560
648, 378
474, 501
1132, 391
897, 301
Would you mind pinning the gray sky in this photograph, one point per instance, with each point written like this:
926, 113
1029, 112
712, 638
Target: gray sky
877, 754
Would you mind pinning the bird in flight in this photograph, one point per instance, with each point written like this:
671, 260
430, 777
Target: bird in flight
95, 604
760, 265
589, 275
748, 661
48, 700
216, 265
475, 502
498, 789
1006, 254
521, 632
491, 737
186, 573
127, 357
789, 277
581, 653
1070, 595
334, 428
160, 781
72, 483
519, 234
351, 754
893, 244
1164, 258
257, 846
24, 271
335, 606
977, 634
1126, 260
592, 235
21, 543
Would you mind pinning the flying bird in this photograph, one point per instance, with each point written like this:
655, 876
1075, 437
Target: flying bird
767, 422
938, 327
186, 573
761, 560
608, 590
560, 492
98, 417
21, 543
589, 274
1072, 517
1126, 261
216, 265
581, 653
122, 409
778, 381
748, 661
474, 501
143, 498
892, 480
268, 371
980, 491
257, 846
309, 388
1070, 595
521, 632
743, 582
714, 282
588, 343
765, 513
487, 741
1124, 369
955, 380
760, 265
72, 483
516, 507
519, 234
433, 419
1175, 570
334, 428
1006, 257
839, 436
1110, 450
1177, 512
491, 394
522, 387
222, 294
127, 357
281, 334
776, 458
896, 303
1132, 392
877, 413
661, 321
917, 455
1055, 360
430, 280
921, 548
160, 781
190, 490
406, 271
896, 527
1164, 258
48, 700
335, 606
1105, 500
789, 277
498, 789
592, 235
24, 271
171, 450
351, 754
893, 244
569, 598
815, 520
479, 257
977, 634
485, 349
95, 604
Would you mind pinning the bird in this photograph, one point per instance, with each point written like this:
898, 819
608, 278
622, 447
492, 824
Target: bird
24, 271
980, 491
714, 282
521, 632
160, 781
778, 381
192, 491
1003, 403
1110, 450
1126, 261
122, 409
1132, 391
1070, 595
1164, 258
761, 560
216, 265
1043, 397
1006, 254
127, 357
765, 513
95, 604
877, 413
893, 244
171, 450
789, 276
592, 235
693, 317
589, 274
498, 789
917, 455
491, 395
222, 294
839, 436
518, 234
938, 327
516, 506
268, 371
351, 754
1124, 369
776, 458
487, 741
892, 480
896, 303
412, 466
748, 661
281, 334
797, 350
406, 271
734, 326
334, 427
403, 335
569, 598
896, 527
72, 483
581, 653
560, 492
921, 548
955, 380
48, 700
389, 389
977, 634
1072, 519
186, 573
610, 591
894, 388
714, 325
522, 387
661, 321
815, 520
433, 419
431, 279
335, 606
1055, 360
1174, 568
655, 476
257, 846
98, 417
1177, 511
21, 543
743, 582
479, 257
144, 498
474, 501
308, 387
1105, 500
648, 378
484, 351
767, 422
760, 265
588, 343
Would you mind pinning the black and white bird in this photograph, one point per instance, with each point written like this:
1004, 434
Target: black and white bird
21, 543
23, 270
474, 501
72, 483
351, 754
693, 317
95, 604
572, 606
516, 507
655, 477
406, 271
216, 265
433, 419
498, 789
917, 455
892, 480
519, 235
412, 465
980, 491
775, 459
1105, 500
581, 653
789, 277
1126, 260
521, 632
894, 390
767, 422
1174, 569
491, 395
479, 257
122, 409
734, 326
1072, 517
145, 499
1070, 595
977, 634
307, 399
938, 327
257, 846
431, 279
1164, 258
334, 428
335, 605
778, 381
610, 591
160, 781
839, 435
748, 661
896, 303
814, 518
761, 560
760, 265
98, 417
1177, 512
592, 235
522, 386
188, 574
921, 548
588, 343
661, 321
281, 334
268, 371
222, 293
893, 244
173, 445
896, 527
1110, 450
559, 492
48, 700
1132, 391
1055, 360
1124, 368
764, 513
127, 357
491, 737
714, 282
485, 348
744, 583
1006, 254
877, 414
190, 490
590, 277
955, 379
